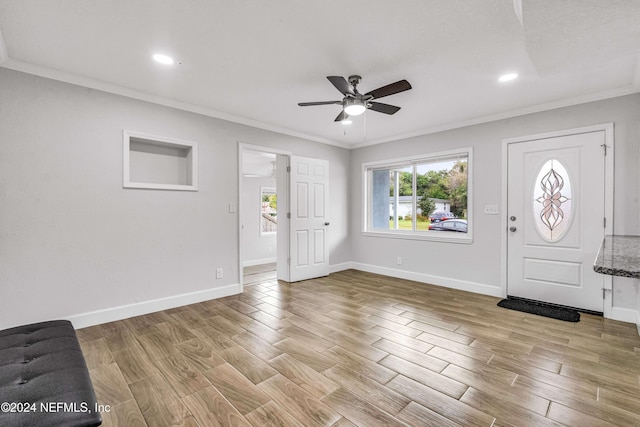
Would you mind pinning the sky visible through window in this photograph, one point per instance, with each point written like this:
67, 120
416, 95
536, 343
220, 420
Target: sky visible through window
423, 168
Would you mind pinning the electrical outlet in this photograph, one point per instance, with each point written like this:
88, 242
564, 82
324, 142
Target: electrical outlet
399, 260
218, 273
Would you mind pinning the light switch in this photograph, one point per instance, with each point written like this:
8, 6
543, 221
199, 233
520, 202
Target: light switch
232, 208
491, 209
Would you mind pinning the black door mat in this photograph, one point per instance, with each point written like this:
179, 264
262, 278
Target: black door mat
541, 309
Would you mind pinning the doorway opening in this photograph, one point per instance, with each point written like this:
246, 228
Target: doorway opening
262, 211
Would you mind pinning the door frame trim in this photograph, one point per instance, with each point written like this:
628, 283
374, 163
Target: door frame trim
608, 129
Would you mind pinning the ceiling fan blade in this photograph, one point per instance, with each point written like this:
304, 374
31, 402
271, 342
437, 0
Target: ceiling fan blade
341, 116
390, 89
383, 108
307, 104
341, 84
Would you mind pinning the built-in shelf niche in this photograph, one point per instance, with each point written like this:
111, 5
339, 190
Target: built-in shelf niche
159, 163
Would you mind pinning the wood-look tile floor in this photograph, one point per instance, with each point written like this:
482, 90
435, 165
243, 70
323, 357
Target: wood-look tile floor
361, 349
259, 273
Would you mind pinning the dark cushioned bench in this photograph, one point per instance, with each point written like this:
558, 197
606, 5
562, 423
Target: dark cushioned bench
44, 379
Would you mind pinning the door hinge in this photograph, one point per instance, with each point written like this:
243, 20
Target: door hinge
288, 168
288, 261
604, 222
604, 147
288, 215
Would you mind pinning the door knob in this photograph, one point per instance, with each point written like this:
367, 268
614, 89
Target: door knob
512, 229
512, 218
326, 223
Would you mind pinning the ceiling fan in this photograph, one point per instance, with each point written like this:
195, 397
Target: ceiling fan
354, 103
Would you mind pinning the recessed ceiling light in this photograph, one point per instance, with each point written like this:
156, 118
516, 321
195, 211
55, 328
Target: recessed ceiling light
346, 121
508, 77
163, 59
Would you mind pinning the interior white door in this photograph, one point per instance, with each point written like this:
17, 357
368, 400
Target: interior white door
309, 184
555, 218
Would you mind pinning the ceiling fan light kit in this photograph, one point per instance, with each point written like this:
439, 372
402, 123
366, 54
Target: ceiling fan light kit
354, 103
353, 106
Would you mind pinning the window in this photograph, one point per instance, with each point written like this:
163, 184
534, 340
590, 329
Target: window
415, 197
268, 210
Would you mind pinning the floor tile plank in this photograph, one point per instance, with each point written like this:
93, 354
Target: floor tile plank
181, 374
249, 365
244, 395
271, 415
301, 405
432, 379
359, 411
157, 402
366, 389
448, 407
210, 408
126, 414
316, 384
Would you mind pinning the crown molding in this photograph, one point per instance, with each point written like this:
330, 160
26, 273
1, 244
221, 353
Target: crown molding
6, 62
568, 102
143, 96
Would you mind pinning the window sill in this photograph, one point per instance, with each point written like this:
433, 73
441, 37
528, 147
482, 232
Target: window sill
434, 236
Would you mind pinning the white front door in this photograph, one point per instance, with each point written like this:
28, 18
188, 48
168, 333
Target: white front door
309, 253
555, 218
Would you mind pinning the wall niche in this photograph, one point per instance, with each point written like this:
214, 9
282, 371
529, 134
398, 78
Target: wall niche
160, 163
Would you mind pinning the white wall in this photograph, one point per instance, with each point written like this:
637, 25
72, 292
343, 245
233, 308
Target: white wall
73, 241
256, 248
477, 266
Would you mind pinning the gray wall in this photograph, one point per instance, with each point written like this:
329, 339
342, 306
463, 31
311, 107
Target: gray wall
479, 264
73, 241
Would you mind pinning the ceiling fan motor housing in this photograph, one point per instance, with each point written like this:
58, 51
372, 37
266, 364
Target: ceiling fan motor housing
354, 80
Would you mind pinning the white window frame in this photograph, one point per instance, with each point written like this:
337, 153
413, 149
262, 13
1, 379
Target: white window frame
438, 236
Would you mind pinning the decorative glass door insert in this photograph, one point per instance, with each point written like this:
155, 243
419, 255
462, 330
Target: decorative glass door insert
552, 204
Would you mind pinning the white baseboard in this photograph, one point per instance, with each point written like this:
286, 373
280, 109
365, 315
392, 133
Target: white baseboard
463, 285
625, 315
97, 317
340, 267
259, 262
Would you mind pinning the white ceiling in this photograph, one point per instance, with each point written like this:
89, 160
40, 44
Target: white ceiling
252, 61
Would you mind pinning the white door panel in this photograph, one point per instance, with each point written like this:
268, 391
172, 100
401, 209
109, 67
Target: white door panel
309, 197
556, 219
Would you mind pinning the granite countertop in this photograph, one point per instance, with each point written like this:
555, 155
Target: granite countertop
619, 256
